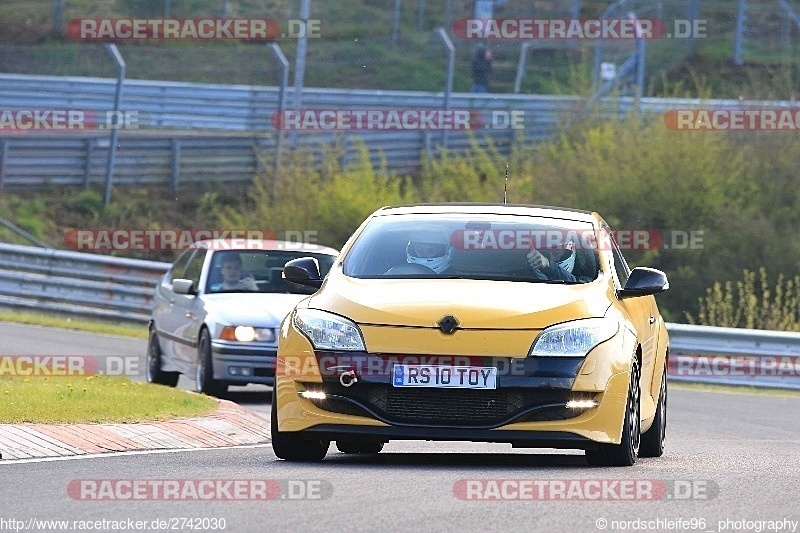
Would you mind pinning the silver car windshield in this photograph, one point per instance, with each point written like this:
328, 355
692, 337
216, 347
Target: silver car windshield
258, 271
470, 246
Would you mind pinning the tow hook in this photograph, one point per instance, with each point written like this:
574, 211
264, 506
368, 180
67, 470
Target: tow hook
348, 378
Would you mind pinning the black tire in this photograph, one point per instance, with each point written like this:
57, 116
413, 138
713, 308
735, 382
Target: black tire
627, 451
653, 439
154, 372
204, 382
290, 445
356, 446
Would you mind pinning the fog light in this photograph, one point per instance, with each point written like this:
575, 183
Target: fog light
240, 371
313, 395
581, 404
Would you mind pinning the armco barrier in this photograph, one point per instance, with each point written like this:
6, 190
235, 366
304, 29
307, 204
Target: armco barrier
230, 126
734, 356
77, 283
103, 286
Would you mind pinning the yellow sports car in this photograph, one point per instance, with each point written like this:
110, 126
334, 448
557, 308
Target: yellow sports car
476, 322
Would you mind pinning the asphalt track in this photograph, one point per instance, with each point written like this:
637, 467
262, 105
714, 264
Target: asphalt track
732, 464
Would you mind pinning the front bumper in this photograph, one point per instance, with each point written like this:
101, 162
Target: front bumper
239, 363
527, 409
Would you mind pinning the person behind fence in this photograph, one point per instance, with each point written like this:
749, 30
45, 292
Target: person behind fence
481, 68
232, 276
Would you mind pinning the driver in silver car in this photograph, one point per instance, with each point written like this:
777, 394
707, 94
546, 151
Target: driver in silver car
232, 276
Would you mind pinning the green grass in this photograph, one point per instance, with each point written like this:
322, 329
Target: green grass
77, 324
94, 399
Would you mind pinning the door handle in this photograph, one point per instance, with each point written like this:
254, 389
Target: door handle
652, 320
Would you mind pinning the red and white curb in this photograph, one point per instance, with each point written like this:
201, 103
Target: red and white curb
229, 425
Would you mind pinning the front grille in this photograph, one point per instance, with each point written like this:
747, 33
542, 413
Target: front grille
457, 406
448, 407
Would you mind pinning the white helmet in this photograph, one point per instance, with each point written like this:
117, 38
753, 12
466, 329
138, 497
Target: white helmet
430, 248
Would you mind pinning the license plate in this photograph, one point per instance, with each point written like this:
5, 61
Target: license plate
462, 377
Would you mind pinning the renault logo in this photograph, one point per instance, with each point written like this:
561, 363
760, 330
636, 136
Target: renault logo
448, 324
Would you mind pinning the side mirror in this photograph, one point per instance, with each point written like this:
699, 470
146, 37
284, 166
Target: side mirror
303, 271
644, 281
183, 286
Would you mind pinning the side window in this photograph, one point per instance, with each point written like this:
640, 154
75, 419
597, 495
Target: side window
179, 266
195, 267
620, 265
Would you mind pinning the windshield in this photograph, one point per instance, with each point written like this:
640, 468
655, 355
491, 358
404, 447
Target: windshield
469, 246
258, 271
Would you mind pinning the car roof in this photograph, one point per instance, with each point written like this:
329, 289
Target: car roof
266, 244
493, 209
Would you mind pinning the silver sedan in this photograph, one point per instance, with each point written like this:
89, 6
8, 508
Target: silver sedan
217, 310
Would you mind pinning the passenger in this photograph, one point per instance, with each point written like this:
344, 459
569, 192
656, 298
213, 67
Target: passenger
554, 264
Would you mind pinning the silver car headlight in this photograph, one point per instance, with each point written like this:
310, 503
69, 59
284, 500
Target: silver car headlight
573, 339
327, 331
247, 334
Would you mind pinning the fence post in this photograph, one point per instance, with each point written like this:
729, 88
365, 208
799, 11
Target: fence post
421, 15
3, 158
276, 49
300, 63
523, 58
641, 49
451, 60
112, 148
58, 10
692, 15
87, 169
176, 165
738, 40
396, 24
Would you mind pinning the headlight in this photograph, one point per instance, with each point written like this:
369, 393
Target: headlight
574, 339
327, 331
247, 334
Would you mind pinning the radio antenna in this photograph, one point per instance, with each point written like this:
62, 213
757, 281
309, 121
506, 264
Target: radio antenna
505, 187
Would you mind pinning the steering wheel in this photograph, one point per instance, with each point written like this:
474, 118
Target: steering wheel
409, 269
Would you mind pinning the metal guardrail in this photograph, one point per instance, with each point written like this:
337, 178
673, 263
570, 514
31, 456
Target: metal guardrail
102, 286
232, 125
77, 283
734, 356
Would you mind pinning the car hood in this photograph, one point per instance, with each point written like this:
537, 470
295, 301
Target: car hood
251, 309
479, 304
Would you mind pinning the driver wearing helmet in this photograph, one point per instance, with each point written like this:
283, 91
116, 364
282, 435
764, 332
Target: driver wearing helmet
430, 248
